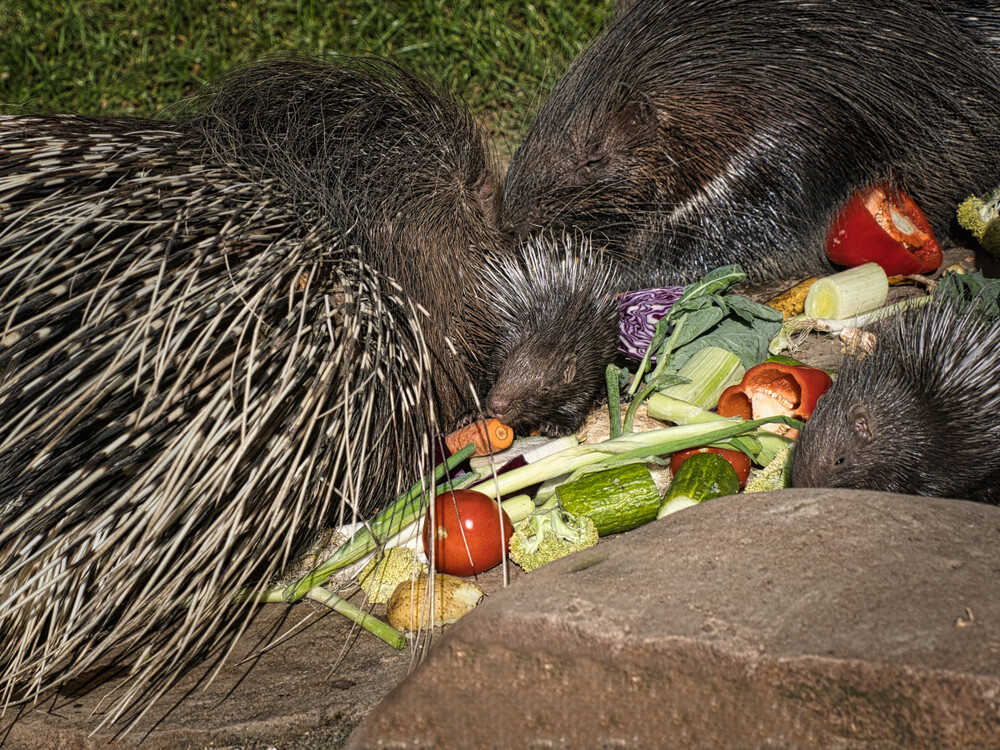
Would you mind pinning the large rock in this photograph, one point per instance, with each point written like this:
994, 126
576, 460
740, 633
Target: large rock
802, 618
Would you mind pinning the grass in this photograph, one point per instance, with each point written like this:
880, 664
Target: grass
134, 58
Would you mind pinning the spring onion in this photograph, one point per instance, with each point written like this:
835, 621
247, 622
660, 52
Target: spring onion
631, 447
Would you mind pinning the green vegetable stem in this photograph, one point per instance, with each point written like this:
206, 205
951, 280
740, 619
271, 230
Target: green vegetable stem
404, 512
630, 448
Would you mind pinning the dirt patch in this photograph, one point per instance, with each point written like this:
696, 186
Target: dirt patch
301, 677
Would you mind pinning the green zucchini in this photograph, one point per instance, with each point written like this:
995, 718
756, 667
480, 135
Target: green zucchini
702, 477
616, 500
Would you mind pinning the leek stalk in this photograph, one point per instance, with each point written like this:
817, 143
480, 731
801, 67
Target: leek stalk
631, 447
849, 293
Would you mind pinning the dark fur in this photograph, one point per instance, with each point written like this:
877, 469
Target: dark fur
391, 161
551, 320
697, 133
919, 416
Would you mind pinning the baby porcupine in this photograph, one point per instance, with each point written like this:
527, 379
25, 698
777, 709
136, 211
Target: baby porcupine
217, 332
549, 323
918, 416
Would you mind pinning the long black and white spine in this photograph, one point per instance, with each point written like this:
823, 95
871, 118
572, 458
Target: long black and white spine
205, 357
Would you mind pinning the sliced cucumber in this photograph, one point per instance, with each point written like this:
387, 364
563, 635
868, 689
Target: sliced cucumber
704, 476
616, 500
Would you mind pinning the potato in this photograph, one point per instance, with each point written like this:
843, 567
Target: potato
453, 597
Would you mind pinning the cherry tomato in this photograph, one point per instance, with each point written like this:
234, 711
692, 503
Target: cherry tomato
738, 459
467, 538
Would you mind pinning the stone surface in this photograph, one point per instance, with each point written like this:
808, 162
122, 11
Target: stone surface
803, 618
308, 692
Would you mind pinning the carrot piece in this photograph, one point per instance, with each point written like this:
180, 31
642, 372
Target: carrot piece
482, 434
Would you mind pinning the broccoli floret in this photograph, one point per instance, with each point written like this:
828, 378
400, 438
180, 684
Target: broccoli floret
549, 534
982, 217
380, 577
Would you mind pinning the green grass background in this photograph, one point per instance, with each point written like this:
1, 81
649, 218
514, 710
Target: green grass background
120, 57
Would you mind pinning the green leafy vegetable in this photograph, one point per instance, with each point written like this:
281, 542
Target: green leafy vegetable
706, 316
970, 288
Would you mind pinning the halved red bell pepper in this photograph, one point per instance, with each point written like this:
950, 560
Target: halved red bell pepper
773, 388
884, 226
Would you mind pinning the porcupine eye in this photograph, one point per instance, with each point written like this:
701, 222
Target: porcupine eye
593, 159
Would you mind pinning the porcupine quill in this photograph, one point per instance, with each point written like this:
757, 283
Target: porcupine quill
218, 333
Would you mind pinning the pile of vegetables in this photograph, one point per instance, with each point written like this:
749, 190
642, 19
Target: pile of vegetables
708, 363
558, 497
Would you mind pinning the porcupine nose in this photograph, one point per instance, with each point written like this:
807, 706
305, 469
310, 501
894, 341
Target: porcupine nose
498, 407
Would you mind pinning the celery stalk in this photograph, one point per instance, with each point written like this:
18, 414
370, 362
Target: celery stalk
614, 400
669, 409
711, 370
663, 358
375, 626
848, 293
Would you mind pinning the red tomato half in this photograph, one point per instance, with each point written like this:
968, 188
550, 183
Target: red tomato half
467, 538
737, 459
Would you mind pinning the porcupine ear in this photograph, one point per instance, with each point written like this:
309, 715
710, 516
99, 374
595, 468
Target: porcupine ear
569, 368
861, 424
639, 112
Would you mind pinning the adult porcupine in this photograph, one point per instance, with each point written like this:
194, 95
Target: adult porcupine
216, 331
693, 134
917, 416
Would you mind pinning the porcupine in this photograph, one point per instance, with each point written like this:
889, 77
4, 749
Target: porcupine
917, 416
549, 314
695, 134
217, 332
